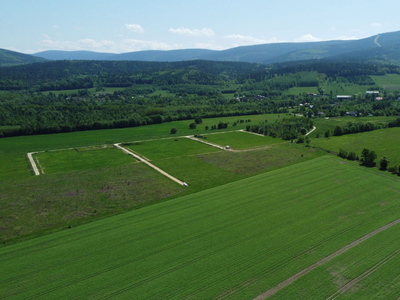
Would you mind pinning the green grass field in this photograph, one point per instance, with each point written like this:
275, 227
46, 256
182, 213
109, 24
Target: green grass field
170, 148
388, 81
302, 90
241, 140
13, 150
323, 124
82, 159
383, 141
234, 241
107, 90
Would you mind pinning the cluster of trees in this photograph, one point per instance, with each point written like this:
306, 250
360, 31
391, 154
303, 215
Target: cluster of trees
352, 127
286, 128
368, 158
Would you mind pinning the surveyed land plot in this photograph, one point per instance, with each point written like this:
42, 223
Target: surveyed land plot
84, 158
234, 241
241, 140
169, 148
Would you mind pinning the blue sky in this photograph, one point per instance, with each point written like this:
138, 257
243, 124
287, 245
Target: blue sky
119, 26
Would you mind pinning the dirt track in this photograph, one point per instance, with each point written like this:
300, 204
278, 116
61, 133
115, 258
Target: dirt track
32, 161
293, 278
149, 164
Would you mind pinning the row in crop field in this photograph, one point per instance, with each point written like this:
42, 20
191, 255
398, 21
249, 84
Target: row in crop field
234, 241
367, 271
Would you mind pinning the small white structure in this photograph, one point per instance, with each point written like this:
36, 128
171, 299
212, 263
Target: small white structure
227, 147
185, 184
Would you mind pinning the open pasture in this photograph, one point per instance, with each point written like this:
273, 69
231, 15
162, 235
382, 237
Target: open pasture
234, 241
81, 159
388, 81
324, 124
240, 140
383, 141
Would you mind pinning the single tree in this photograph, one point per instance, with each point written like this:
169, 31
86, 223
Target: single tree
174, 130
384, 163
192, 125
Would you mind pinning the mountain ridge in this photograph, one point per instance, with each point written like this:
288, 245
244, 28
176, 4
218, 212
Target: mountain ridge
386, 44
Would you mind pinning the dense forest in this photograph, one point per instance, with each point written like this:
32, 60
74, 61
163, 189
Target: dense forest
65, 96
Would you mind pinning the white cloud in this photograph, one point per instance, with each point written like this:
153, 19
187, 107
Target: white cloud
375, 24
192, 32
208, 46
120, 46
134, 28
242, 40
55, 26
307, 38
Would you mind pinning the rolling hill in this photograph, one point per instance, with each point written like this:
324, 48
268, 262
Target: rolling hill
386, 44
11, 58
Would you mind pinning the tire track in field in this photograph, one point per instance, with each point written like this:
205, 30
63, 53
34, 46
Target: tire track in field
364, 275
293, 278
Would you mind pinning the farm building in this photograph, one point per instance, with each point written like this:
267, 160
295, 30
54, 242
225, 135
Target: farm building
343, 97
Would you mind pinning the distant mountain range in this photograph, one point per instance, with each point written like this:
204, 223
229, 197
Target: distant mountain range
384, 46
11, 58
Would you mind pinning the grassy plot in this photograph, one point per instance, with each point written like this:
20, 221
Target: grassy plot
82, 159
302, 90
13, 150
231, 242
212, 167
343, 88
323, 124
383, 141
388, 81
368, 271
169, 148
241, 140
40, 204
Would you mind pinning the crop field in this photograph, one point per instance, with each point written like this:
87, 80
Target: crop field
235, 241
82, 159
240, 140
388, 81
368, 271
383, 141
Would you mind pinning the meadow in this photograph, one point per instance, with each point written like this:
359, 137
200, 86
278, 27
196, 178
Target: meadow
94, 182
388, 81
82, 159
234, 241
383, 141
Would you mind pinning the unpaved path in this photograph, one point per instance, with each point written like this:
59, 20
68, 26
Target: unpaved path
364, 275
33, 164
293, 278
311, 130
242, 130
204, 142
149, 164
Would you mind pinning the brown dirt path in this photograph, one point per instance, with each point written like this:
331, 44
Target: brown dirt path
293, 278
